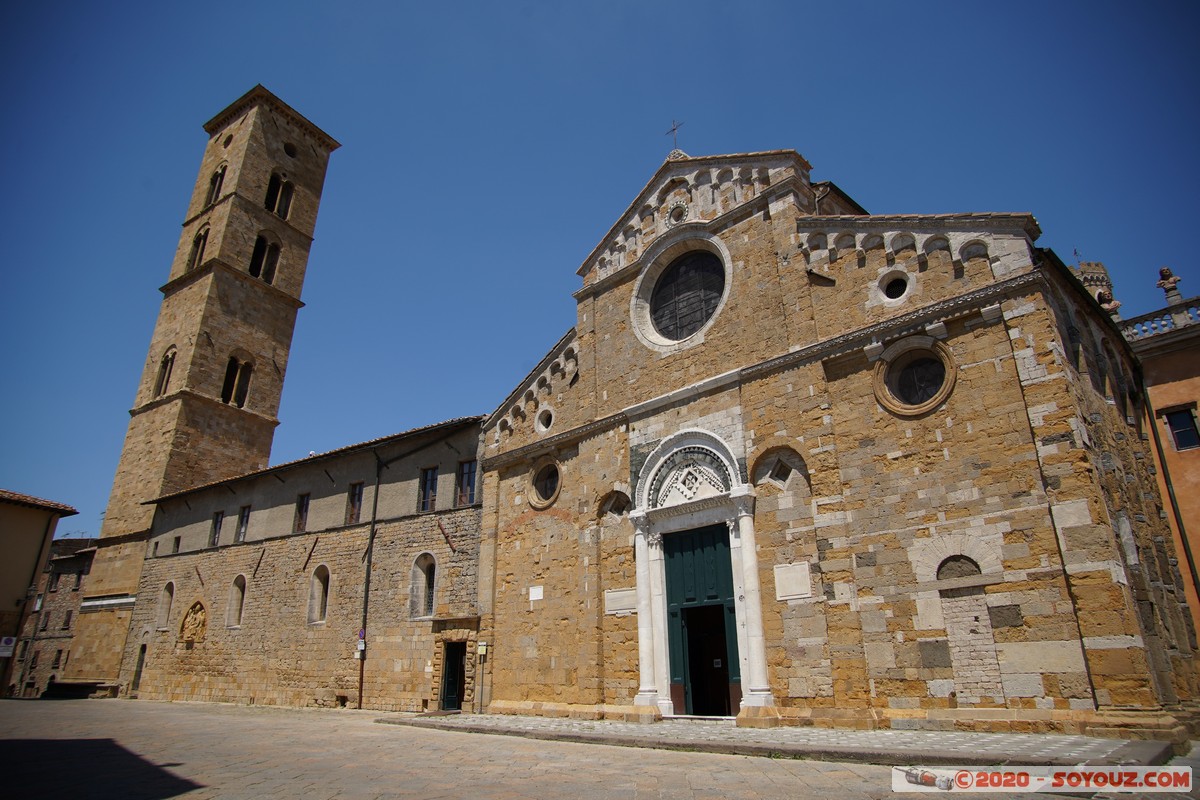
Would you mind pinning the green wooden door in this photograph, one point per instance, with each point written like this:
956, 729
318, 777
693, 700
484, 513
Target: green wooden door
704, 680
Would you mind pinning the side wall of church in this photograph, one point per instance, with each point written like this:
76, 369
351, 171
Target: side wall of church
274, 619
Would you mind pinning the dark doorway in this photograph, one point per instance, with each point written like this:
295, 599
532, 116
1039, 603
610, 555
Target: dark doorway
701, 624
454, 675
708, 667
137, 672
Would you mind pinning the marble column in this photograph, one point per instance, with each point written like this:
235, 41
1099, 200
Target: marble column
757, 689
647, 688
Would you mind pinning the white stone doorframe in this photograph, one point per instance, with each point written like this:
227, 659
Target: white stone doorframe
734, 508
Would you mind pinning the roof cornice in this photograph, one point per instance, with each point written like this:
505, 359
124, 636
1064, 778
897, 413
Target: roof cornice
259, 96
672, 165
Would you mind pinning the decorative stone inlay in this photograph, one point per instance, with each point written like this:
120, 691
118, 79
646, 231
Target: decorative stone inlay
691, 473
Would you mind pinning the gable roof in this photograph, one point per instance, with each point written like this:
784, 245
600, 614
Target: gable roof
447, 427
527, 381
28, 500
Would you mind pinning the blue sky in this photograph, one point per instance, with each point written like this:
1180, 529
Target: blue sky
488, 146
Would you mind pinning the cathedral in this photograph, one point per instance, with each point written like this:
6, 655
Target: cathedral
795, 464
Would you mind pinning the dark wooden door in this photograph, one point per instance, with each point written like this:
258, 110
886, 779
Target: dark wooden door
454, 675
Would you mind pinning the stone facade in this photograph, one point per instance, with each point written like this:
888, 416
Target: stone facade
843, 499
795, 463
44, 649
207, 401
1167, 342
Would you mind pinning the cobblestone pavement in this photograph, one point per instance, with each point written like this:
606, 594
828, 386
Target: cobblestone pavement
880, 747
140, 750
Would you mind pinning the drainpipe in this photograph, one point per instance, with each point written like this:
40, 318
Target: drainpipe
380, 466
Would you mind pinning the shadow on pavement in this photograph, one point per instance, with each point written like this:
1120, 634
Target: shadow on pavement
93, 768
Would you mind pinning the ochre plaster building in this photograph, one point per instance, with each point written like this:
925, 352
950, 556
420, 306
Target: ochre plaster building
795, 463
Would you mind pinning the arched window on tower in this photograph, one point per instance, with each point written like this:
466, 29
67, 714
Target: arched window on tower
214, 185
237, 382
279, 195
199, 241
424, 582
164, 373
264, 259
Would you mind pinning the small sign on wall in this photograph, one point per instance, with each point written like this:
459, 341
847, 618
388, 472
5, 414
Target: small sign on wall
535, 593
7, 643
620, 601
792, 581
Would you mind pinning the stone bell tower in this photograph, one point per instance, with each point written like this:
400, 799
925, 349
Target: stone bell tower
207, 401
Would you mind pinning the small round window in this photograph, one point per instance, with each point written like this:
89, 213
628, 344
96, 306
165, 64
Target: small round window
544, 483
895, 288
687, 294
914, 377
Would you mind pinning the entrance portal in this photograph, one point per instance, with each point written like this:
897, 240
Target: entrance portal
454, 675
701, 622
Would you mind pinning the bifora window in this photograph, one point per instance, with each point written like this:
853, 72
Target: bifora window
687, 294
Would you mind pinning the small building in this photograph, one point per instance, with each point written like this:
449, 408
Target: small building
27, 527
44, 649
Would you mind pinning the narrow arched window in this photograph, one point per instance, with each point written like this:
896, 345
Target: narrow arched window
199, 242
264, 259
318, 595
237, 382
164, 373
165, 599
279, 195
214, 185
424, 584
237, 600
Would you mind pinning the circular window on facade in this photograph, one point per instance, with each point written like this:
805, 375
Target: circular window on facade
544, 483
894, 285
687, 294
914, 376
